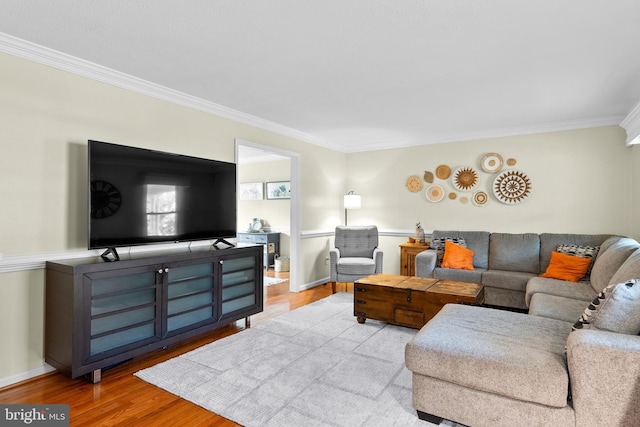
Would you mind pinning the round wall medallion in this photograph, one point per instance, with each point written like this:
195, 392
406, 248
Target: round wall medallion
414, 183
434, 193
480, 198
465, 179
491, 162
443, 172
428, 177
512, 187
464, 200
452, 195
105, 199
511, 162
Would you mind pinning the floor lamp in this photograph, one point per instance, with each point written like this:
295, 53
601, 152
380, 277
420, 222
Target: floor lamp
351, 201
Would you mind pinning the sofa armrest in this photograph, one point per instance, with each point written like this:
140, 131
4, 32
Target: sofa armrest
604, 370
334, 255
426, 263
377, 257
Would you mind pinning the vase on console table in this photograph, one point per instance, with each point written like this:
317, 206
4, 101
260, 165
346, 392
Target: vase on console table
419, 234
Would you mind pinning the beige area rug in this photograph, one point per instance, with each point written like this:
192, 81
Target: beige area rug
314, 366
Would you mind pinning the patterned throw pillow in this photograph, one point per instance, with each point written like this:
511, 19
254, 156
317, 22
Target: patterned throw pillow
438, 246
582, 252
615, 309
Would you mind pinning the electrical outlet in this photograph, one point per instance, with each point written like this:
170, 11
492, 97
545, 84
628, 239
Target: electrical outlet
326, 260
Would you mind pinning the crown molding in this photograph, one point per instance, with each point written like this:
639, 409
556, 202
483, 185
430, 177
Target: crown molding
631, 124
490, 133
53, 58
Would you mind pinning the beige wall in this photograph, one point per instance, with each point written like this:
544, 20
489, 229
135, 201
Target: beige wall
583, 181
47, 117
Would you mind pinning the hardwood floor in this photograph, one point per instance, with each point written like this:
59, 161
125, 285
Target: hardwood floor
121, 399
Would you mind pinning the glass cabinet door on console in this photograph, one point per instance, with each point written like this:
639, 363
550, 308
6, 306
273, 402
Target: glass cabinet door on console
190, 295
122, 309
242, 287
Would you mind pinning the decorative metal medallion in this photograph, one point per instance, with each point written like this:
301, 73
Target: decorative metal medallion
480, 198
414, 183
512, 187
443, 172
491, 162
434, 193
465, 179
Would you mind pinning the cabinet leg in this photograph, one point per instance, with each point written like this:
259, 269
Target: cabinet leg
247, 322
96, 376
361, 319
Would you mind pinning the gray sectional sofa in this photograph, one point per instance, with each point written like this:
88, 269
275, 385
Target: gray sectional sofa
488, 367
504, 262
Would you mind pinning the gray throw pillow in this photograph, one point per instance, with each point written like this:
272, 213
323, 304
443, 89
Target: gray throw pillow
615, 309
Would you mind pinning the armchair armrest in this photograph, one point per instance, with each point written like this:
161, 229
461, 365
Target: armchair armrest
426, 263
377, 257
334, 255
604, 369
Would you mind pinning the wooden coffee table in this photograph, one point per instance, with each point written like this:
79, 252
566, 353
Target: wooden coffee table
408, 300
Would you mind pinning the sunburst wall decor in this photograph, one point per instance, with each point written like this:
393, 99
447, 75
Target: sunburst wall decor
512, 187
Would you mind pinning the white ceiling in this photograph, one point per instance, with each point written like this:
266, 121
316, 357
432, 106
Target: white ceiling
358, 75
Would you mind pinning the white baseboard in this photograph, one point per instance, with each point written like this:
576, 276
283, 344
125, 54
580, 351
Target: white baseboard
23, 376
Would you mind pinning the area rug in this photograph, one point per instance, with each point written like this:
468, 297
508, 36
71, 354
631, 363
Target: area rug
314, 366
268, 281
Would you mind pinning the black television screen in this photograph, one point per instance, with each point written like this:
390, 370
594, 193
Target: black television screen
139, 196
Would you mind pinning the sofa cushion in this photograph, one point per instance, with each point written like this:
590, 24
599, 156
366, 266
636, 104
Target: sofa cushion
549, 242
515, 252
609, 260
500, 352
477, 241
554, 307
615, 309
590, 252
630, 269
574, 290
567, 267
456, 256
513, 280
473, 276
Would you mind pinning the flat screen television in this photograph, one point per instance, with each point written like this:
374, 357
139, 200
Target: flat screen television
139, 196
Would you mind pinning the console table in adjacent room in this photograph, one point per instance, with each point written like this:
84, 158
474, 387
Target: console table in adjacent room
270, 242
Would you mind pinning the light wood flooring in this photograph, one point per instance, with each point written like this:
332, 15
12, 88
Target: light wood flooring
121, 399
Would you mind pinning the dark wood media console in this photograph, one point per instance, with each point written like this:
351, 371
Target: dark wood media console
102, 313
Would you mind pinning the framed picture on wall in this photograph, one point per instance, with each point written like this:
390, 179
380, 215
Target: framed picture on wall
251, 191
278, 190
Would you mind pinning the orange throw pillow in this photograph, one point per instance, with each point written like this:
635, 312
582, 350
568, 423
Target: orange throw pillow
458, 257
566, 267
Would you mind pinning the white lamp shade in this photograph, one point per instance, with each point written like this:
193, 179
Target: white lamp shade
352, 201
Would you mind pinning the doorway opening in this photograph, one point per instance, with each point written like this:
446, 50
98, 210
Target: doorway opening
252, 158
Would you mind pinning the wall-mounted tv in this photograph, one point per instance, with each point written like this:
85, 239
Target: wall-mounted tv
139, 196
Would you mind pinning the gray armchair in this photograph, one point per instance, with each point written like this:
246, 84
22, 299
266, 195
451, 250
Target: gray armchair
356, 254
